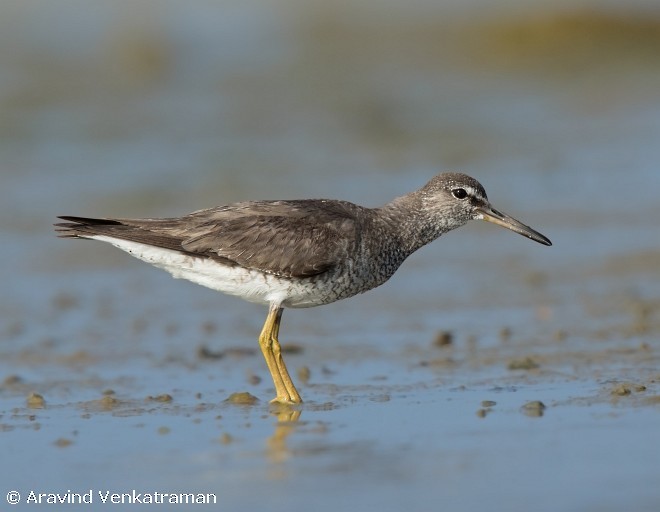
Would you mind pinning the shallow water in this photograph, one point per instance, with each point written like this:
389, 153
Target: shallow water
164, 111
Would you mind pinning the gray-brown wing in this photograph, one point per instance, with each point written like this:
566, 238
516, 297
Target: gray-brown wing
287, 238
304, 241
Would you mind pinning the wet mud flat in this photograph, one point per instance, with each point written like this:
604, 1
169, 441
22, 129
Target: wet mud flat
114, 396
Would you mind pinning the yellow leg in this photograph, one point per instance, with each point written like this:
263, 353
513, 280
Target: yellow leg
285, 390
294, 396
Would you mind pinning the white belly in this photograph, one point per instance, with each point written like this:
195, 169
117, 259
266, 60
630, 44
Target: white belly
251, 285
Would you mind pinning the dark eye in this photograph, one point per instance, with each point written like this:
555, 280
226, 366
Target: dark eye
459, 193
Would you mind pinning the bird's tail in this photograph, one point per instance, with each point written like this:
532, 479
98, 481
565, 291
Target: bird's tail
84, 227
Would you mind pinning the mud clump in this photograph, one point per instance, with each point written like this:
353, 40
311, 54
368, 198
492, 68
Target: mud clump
242, 398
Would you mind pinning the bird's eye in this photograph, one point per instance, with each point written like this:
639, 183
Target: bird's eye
459, 193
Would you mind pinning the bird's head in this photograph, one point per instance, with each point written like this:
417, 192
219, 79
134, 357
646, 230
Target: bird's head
457, 198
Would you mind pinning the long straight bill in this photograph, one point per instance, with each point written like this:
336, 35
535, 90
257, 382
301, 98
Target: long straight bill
490, 214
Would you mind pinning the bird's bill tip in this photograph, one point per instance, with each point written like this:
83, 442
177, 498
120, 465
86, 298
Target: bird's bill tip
490, 214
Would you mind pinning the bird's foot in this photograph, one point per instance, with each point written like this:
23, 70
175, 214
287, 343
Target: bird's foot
285, 400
